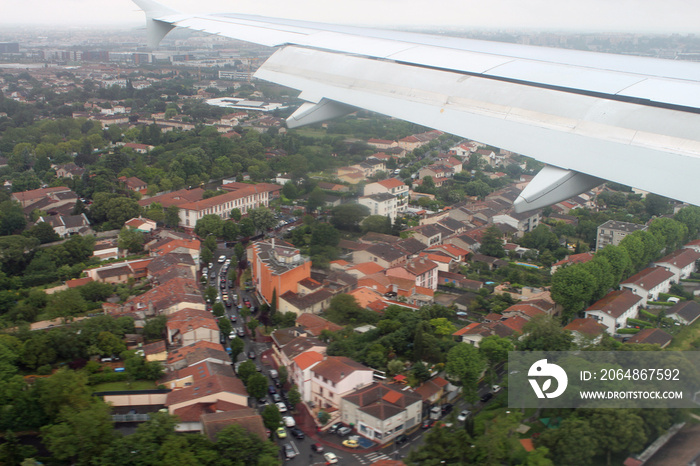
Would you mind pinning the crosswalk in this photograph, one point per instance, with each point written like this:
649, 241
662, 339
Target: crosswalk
371, 457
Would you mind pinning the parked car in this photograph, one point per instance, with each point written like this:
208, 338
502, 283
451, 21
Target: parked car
276, 397
282, 407
317, 447
464, 415
232, 335
271, 389
334, 428
289, 421
446, 408
241, 332
289, 452
351, 443
427, 423
234, 318
343, 431
277, 382
401, 439
251, 354
495, 389
221, 259
330, 458
281, 432
486, 397
297, 433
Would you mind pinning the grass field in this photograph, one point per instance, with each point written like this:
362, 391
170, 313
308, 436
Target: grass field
684, 339
119, 386
311, 132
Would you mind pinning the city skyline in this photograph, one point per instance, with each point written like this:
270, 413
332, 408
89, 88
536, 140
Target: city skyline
644, 16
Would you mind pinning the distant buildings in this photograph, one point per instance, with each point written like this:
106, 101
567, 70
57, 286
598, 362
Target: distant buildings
612, 232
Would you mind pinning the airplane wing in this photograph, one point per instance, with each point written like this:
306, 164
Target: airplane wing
589, 116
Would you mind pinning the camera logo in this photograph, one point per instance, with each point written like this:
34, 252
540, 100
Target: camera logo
543, 369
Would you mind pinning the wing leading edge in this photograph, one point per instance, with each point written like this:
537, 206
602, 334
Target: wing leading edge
631, 120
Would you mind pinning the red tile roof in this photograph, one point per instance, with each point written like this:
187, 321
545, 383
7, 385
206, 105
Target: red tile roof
588, 327
616, 303
649, 278
307, 358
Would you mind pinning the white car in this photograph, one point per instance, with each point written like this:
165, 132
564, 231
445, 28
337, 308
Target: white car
330, 458
232, 335
289, 421
495, 389
282, 407
464, 415
221, 259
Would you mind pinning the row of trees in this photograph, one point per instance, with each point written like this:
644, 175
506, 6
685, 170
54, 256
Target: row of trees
577, 285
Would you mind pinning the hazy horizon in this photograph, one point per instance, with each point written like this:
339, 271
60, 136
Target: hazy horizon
640, 16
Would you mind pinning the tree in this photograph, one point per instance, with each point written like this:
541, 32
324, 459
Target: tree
324, 234
573, 443
80, 435
656, 205
465, 363
239, 447
316, 199
155, 327
172, 216
442, 327
245, 370
218, 309
235, 214
572, 288
110, 344
12, 452
616, 430
377, 223
239, 251
495, 349
690, 217
210, 294
344, 309
43, 232
131, 239
543, 333
348, 216
210, 224
237, 347
262, 218
256, 385
293, 396
225, 326
230, 231
491, 242
253, 324
271, 417
283, 374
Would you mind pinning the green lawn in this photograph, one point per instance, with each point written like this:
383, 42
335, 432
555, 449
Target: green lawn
684, 339
118, 386
311, 132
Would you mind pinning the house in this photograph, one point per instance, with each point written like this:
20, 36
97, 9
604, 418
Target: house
444, 262
300, 372
195, 353
524, 310
242, 198
67, 225
315, 324
392, 186
383, 254
459, 281
314, 303
189, 326
382, 412
290, 343
680, 262
613, 231
382, 204
168, 245
213, 422
433, 391
423, 272
475, 332
614, 309
142, 224
430, 234
572, 259
586, 331
336, 377
523, 222
649, 283
364, 268
134, 184
69, 170
175, 198
651, 336
684, 312
277, 267
382, 143
212, 389
139, 148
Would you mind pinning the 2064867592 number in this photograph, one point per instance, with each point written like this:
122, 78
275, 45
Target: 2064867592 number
639, 374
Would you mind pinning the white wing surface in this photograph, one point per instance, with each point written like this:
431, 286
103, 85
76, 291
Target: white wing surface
589, 116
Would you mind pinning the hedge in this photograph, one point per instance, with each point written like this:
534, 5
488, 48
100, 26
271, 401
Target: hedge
102, 377
628, 330
647, 314
641, 323
660, 303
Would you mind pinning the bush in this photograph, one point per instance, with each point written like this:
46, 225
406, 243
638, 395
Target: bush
44, 370
102, 377
641, 323
647, 314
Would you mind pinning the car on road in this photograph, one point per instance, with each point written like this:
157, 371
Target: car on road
495, 389
276, 397
297, 433
343, 431
317, 447
233, 318
289, 421
277, 382
464, 415
401, 439
486, 397
241, 332
334, 428
221, 259
271, 389
246, 302
289, 452
330, 458
281, 432
427, 423
351, 443
282, 407
446, 408
232, 335
251, 354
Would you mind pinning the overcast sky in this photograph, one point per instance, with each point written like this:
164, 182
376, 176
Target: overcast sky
580, 15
